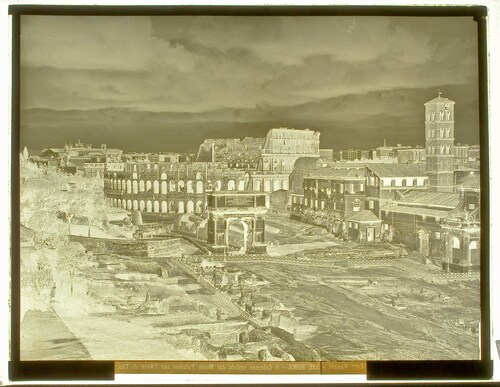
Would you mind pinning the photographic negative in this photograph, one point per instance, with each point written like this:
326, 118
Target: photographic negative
249, 188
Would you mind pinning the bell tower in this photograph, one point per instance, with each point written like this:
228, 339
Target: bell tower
439, 143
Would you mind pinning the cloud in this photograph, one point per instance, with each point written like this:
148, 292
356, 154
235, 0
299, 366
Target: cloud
98, 43
201, 63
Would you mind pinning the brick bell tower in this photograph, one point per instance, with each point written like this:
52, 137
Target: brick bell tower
439, 143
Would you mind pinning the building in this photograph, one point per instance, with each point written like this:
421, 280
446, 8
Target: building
411, 155
415, 219
439, 142
462, 229
363, 226
384, 182
330, 195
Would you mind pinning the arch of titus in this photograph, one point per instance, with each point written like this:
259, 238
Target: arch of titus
226, 208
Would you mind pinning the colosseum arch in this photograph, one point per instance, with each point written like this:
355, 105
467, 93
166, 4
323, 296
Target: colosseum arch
156, 206
148, 185
141, 186
164, 187
124, 204
135, 187
455, 252
164, 206
142, 205
149, 206
135, 205
156, 187
129, 204
199, 186
129, 186
474, 253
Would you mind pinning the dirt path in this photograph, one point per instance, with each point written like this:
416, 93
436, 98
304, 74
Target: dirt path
44, 336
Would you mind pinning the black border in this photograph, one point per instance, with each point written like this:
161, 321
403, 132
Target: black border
376, 370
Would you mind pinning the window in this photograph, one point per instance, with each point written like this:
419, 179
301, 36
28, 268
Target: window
371, 205
322, 204
350, 224
356, 226
437, 235
472, 206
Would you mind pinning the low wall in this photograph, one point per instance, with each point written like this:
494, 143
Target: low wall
132, 247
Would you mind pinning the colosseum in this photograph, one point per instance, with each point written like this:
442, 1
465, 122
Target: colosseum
170, 188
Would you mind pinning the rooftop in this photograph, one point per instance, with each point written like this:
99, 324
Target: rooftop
430, 199
394, 207
363, 216
397, 170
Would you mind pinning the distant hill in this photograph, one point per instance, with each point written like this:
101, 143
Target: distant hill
349, 121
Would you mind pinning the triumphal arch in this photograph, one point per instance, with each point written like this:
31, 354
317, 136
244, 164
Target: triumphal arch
247, 209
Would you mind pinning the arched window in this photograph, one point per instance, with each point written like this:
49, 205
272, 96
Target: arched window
156, 187
455, 243
218, 185
134, 187
199, 206
267, 185
180, 186
198, 175
164, 187
171, 186
129, 186
190, 186
164, 176
164, 206
156, 206
180, 207
141, 186
142, 205
190, 206
148, 185
199, 186
257, 185
149, 206
230, 185
129, 204
135, 205
124, 204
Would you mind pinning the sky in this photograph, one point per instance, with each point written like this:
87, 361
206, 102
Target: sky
165, 83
